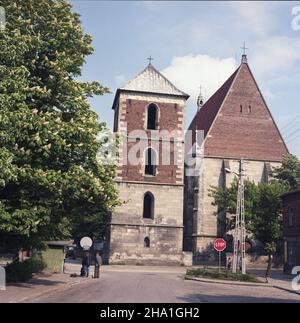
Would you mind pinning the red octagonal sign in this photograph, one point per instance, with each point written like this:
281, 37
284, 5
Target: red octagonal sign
220, 244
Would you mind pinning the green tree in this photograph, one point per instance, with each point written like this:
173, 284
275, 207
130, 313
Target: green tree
289, 172
225, 199
265, 220
263, 211
51, 184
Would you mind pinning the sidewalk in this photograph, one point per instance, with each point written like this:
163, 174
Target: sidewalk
40, 285
278, 279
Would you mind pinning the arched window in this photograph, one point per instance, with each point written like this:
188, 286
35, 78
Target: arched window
150, 162
147, 242
241, 109
152, 114
249, 109
148, 211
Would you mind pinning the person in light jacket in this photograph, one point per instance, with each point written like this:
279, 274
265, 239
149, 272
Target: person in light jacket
98, 263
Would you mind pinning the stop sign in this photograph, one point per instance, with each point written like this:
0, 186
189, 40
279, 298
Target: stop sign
220, 244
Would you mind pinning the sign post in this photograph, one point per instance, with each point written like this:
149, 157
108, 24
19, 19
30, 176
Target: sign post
86, 243
220, 245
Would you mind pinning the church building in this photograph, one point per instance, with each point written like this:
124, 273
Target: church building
237, 125
165, 212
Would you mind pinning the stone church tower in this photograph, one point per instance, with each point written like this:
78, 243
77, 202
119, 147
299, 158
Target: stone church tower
148, 227
237, 124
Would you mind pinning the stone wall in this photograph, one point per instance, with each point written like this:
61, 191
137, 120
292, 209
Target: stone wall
128, 228
202, 219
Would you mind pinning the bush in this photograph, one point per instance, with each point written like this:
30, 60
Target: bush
36, 264
22, 271
222, 275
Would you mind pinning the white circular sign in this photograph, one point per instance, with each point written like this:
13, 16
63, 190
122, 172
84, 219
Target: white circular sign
86, 242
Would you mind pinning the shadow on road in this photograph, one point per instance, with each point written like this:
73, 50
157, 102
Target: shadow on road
37, 282
202, 298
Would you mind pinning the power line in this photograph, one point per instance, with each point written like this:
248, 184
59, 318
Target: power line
287, 125
292, 133
292, 138
289, 131
290, 141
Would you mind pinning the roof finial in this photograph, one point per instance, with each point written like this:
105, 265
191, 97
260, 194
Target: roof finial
150, 59
200, 100
244, 56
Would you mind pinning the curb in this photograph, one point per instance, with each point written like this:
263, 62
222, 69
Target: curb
236, 283
40, 294
227, 282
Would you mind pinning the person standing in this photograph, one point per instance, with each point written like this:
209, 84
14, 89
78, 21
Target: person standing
229, 263
85, 265
98, 263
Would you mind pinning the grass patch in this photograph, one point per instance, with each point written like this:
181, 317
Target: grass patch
214, 273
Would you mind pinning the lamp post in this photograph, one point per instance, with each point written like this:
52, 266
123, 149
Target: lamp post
239, 246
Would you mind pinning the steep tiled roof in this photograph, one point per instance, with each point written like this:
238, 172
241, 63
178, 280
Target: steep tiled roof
237, 122
205, 117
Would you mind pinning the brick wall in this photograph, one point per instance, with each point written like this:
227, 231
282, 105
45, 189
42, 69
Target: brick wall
133, 111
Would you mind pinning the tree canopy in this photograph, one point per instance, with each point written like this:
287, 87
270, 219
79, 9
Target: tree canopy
289, 172
263, 208
51, 184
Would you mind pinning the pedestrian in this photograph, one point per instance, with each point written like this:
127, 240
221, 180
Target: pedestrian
241, 264
85, 265
98, 263
229, 263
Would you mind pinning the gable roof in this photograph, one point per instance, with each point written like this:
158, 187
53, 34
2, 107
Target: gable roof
206, 115
150, 80
230, 133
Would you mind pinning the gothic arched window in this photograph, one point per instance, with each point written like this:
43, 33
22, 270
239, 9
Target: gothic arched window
148, 211
147, 242
150, 162
152, 114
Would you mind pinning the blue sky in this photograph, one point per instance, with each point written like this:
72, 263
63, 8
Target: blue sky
197, 43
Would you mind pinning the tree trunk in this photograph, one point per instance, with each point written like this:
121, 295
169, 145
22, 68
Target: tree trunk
268, 272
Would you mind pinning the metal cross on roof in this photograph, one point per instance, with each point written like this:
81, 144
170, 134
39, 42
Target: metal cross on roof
244, 48
150, 59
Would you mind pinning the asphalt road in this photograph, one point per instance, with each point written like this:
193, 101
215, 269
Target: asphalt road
160, 285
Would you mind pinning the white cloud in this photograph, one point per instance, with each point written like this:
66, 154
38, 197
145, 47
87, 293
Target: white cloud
190, 71
256, 16
276, 54
120, 80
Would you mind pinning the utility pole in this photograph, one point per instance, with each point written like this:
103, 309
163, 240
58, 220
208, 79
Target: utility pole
239, 246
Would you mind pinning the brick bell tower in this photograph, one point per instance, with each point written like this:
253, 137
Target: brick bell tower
149, 119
